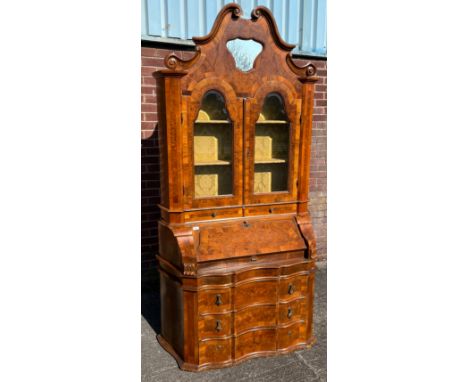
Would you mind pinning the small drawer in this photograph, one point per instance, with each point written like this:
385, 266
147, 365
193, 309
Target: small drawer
256, 292
214, 325
214, 351
292, 335
255, 341
271, 209
255, 316
292, 287
214, 300
292, 311
212, 214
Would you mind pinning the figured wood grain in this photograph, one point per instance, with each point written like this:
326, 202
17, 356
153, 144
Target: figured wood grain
242, 238
207, 300
256, 341
258, 315
214, 325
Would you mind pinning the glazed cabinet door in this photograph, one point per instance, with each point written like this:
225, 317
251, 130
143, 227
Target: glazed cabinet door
272, 131
213, 174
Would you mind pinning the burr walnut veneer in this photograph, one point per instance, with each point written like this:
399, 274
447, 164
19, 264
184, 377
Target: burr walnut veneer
236, 243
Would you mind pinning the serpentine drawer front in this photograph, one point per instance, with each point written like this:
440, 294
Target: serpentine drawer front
263, 310
236, 252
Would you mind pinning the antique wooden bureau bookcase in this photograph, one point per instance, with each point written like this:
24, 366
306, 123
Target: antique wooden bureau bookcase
236, 243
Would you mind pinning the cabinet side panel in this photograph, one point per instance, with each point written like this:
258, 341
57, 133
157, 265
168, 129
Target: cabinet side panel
191, 326
160, 90
168, 246
310, 308
172, 312
306, 142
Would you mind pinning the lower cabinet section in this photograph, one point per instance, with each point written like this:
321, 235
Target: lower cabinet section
225, 318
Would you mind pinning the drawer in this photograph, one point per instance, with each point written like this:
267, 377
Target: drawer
214, 351
293, 311
212, 214
291, 335
214, 325
214, 300
255, 292
254, 316
271, 209
292, 287
256, 341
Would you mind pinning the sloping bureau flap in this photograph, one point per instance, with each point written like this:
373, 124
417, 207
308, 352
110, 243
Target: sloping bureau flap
249, 237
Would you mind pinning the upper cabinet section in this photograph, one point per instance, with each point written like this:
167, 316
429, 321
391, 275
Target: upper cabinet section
230, 120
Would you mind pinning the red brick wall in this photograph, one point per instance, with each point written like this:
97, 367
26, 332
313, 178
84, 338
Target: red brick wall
152, 60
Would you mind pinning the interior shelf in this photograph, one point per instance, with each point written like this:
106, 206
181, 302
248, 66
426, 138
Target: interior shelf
271, 160
214, 122
213, 163
272, 122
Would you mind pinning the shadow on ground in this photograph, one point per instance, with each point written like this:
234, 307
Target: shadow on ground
150, 300
303, 365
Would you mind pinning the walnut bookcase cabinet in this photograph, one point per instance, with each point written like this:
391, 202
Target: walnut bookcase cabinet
236, 243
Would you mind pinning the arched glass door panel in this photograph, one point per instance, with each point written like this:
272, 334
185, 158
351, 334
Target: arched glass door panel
272, 146
212, 148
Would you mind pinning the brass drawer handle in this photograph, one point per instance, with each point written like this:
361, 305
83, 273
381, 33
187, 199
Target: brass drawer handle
218, 300
218, 326
246, 224
270, 210
291, 289
213, 215
290, 312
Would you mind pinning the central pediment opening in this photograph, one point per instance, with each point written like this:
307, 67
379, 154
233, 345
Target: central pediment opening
244, 52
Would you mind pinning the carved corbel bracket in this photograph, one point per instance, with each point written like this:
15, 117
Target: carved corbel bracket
185, 240
305, 226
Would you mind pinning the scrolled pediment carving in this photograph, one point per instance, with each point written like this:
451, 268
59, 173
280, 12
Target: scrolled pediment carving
176, 63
